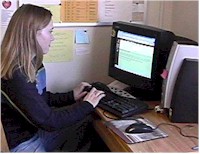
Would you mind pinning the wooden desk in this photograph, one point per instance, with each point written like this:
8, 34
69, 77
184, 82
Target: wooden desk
175, 142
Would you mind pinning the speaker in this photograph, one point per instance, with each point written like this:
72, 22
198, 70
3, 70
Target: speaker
184, 104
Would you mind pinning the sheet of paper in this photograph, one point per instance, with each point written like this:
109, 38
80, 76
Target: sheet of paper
138, 11
82, 37
55, 10
8, 7
112, 10
79, 11
82, 51
127, 10
61, 49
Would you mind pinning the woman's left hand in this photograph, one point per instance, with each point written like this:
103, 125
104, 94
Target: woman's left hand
78, 91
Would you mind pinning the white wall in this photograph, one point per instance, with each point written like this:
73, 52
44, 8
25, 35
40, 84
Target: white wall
185, 19
180, 17
154, 13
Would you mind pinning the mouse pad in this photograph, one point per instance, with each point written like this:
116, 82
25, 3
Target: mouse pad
119, 127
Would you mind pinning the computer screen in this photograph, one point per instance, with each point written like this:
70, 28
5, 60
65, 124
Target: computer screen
134, 53
138, 54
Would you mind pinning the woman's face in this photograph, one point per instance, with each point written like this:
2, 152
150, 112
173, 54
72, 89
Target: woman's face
45, 37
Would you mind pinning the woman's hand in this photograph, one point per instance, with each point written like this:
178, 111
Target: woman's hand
94, 96
78, 91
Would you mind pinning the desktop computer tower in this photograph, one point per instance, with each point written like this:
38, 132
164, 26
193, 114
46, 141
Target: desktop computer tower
173, 98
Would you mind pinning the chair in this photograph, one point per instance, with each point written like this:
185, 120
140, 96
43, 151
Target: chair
4, 143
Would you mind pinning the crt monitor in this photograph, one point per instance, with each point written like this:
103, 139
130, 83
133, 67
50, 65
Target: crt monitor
138, 55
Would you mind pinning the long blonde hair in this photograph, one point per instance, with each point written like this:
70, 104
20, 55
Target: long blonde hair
19, 48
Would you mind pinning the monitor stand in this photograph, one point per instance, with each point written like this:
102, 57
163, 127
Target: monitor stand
144, 95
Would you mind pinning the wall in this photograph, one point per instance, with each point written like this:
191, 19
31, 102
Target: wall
185, 19
180, 17
154, 13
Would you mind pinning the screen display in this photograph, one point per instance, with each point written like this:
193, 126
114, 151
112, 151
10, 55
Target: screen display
134, 53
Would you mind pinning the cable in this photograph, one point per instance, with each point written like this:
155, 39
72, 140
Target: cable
180, 129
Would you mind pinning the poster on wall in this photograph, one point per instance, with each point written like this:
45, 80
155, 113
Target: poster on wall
119, 10
8, 7
79, 11
69, 11
99, 12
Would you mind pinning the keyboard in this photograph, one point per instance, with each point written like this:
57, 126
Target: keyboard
118, 105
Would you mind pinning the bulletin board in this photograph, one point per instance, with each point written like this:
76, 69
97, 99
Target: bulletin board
92, 12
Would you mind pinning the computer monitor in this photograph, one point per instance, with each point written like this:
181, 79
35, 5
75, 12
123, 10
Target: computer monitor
138, 55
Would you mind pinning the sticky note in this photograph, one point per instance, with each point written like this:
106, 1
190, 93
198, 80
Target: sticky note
164, 74
82, 37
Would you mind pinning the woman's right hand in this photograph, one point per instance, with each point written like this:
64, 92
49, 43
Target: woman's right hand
94, 96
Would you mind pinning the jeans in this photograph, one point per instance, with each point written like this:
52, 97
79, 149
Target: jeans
69, 139
32, 145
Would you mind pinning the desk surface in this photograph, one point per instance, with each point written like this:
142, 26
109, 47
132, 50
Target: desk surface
175, 142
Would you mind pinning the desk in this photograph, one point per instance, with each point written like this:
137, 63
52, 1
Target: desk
173, 143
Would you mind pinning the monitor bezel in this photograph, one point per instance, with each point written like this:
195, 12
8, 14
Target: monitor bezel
141, 83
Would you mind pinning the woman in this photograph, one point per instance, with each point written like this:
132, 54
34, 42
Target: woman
27, 38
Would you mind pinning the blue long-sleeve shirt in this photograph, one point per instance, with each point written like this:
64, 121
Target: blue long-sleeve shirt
37, 104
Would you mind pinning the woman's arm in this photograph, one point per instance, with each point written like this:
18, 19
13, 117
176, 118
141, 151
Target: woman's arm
36, 108
60, 99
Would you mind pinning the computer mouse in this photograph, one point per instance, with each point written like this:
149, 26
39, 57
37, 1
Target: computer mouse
100, 86
138, 128
87, 88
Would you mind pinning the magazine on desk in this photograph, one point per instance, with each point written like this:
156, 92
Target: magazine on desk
119, 126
